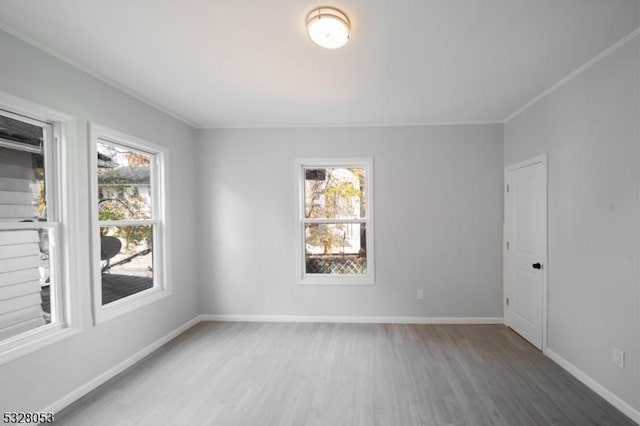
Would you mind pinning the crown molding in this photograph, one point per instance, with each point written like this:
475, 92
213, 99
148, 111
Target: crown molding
92, 72
343, 125
575, 73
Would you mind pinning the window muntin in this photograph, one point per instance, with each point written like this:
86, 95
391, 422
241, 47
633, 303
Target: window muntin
129, 217
30, 250
335, 221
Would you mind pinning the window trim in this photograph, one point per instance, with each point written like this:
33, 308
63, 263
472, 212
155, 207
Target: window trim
67, 216
302, 278
161, 276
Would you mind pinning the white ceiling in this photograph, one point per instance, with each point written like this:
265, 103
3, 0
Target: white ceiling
228, 63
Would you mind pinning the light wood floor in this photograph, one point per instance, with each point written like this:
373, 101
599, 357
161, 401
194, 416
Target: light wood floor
344, 374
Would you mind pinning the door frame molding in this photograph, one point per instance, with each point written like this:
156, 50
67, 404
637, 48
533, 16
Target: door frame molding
542, 159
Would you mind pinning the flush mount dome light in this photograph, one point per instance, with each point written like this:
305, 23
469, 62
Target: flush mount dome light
328, 27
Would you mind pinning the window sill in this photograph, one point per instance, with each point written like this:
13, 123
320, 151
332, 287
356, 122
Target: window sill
31, 341
337, 280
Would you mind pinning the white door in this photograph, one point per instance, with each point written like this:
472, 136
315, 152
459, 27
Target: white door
525, 248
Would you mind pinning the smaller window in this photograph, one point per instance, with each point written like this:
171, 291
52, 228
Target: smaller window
335, 221
129, 215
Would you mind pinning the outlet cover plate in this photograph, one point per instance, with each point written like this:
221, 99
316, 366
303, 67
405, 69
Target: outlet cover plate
618, 357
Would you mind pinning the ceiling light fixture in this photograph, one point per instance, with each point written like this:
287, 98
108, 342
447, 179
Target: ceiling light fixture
328, 27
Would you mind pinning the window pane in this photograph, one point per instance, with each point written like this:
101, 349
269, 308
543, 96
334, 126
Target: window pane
18, 131
124, 183
334, 193
25, 282
335, 248
126, 261
22, 183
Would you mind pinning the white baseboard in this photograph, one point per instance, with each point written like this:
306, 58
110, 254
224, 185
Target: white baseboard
609, 396
353, 319
117, 369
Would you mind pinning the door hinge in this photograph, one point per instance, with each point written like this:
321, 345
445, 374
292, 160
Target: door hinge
507, 245
507, 301
507, 188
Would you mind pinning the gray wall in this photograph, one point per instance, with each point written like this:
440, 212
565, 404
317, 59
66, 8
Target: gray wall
40, 378
589, 128
438, 221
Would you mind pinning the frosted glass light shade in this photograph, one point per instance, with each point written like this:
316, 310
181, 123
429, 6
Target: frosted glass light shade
328, 27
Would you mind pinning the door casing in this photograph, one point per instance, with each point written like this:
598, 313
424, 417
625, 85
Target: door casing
541, 159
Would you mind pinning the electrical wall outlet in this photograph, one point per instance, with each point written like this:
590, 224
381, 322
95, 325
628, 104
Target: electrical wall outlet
420, 294
618, 357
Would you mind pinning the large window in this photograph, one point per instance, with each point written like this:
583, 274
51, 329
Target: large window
335, 229
34, 297
129, 209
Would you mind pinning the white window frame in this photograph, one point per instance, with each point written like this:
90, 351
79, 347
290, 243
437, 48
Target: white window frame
161, 282
303, 278
62, 219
